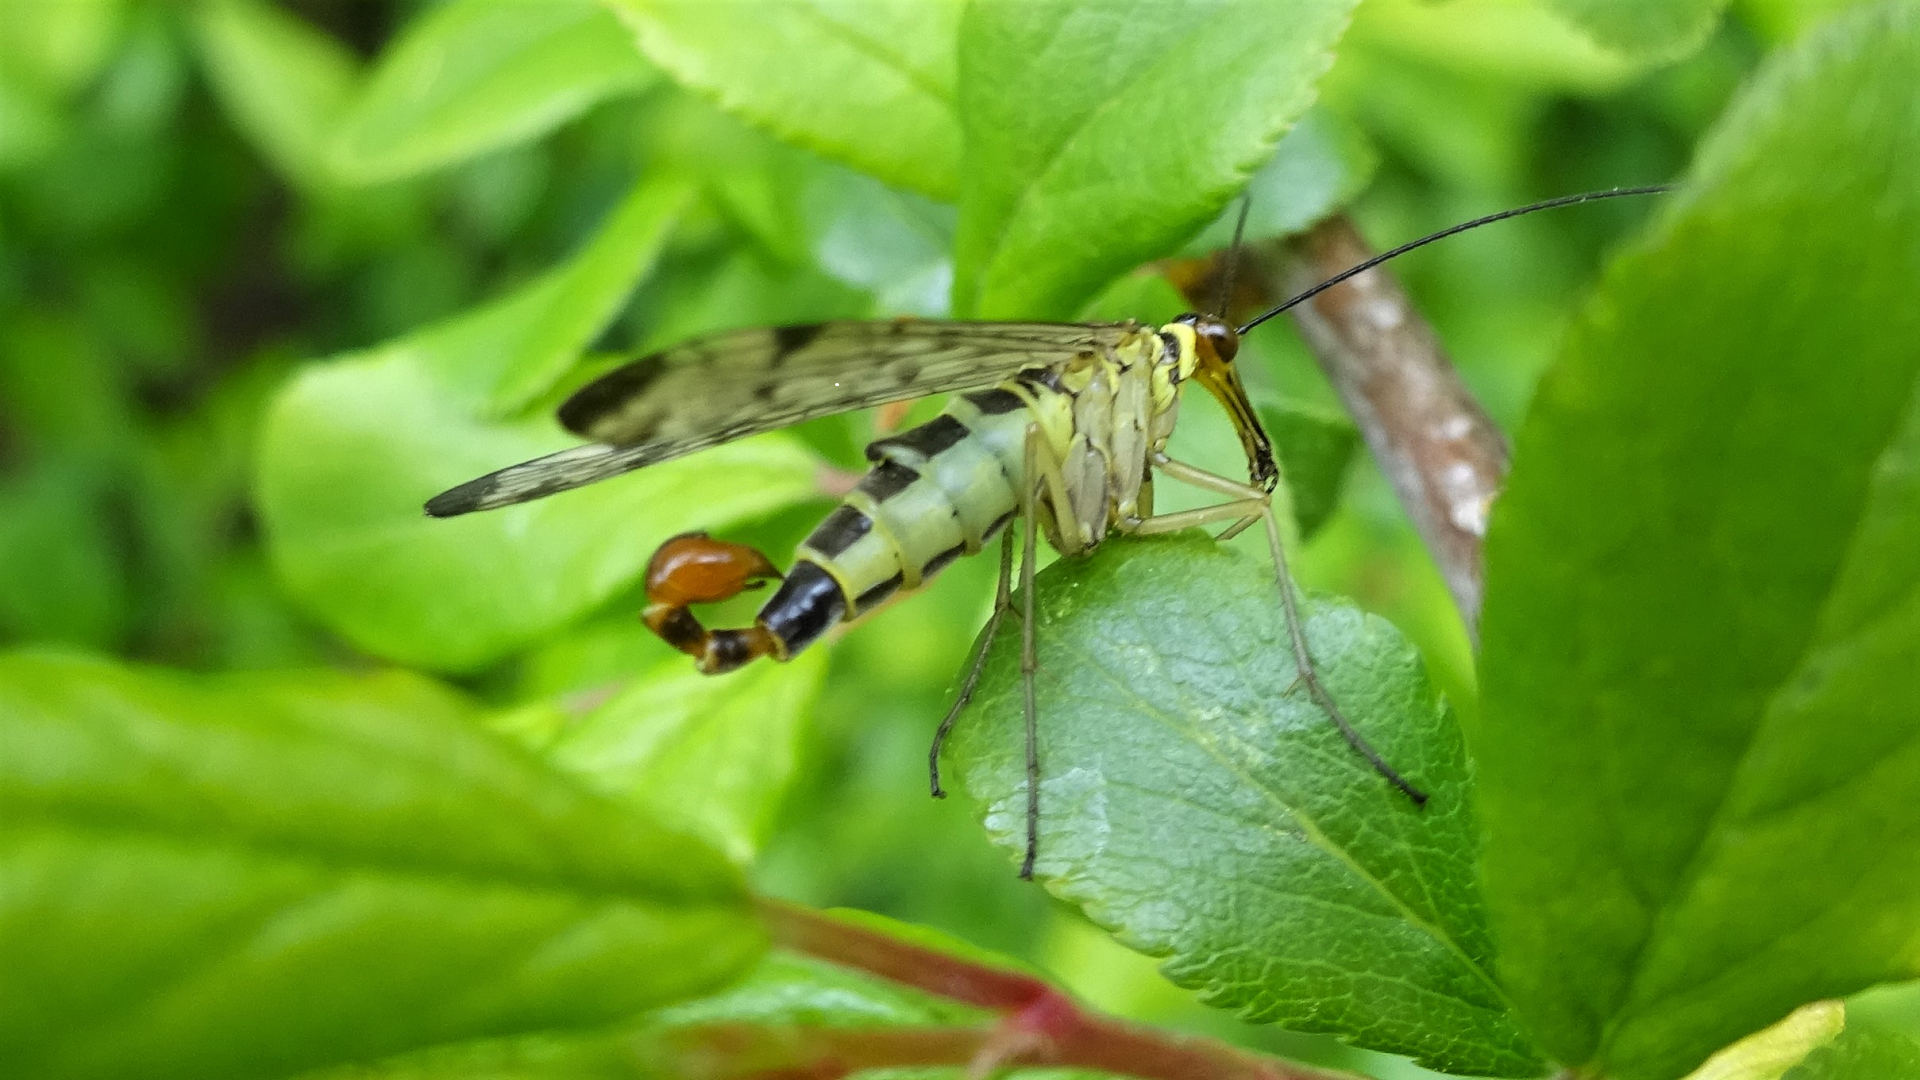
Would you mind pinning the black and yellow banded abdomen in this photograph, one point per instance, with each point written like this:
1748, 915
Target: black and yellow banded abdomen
936, 492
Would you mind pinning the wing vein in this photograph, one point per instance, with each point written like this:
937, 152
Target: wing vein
727, 386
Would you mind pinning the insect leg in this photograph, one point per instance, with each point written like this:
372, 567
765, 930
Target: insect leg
1029, 661
1161, 524
1002, 600
1042, 472
1237, 528
694, 569
1250, 501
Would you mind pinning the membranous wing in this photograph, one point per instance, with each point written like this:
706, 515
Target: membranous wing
727, 386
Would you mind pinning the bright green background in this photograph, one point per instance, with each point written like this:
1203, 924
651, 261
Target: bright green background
293, 777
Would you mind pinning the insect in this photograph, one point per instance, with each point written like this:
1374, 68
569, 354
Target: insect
1060, 427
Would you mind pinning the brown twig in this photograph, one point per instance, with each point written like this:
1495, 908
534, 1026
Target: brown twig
1438, 448
1038, 1025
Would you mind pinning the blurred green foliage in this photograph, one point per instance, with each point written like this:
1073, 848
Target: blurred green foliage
270, 274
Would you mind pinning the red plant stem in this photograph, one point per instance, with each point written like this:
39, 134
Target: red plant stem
736, 1051
807, 931
1039, 1024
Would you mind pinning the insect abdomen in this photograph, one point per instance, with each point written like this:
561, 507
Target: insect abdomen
936, 492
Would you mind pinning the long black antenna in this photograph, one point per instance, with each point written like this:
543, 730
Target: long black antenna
1564, 200
1225, 295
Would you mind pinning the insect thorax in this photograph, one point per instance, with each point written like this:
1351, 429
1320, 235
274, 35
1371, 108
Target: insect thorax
1104, 414
945, 489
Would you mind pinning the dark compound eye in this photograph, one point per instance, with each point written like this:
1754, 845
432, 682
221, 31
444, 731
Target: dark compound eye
1226, 343
1216, 332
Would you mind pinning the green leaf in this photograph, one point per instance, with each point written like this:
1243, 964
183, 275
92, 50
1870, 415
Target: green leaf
55, 48
514, 349
866, 82
250, 876
64, 395
891, 243
1894, 1006
353, 447
30, 126
1319, 166
790, 989
621, 1054
752, 179
1652, 29
475, 75
284, 83
1315, 447
1862, 1053
1197, 804
742, 289
805, 212
765, 1015
64, 580
715, 755
783, 993
1098, 137
1769, 1053
1778, 22
1395, 65
1699, 663
1145, 297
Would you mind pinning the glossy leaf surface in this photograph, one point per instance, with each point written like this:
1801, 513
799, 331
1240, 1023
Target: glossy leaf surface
476, 75
1138, 147
1700, 667
353, 448
713, 754
285, 83
251, 875
1197, 804
866, 82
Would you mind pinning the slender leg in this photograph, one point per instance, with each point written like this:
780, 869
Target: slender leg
1249, 501
1174, 521
1002, 600
1029, 660
1029, 664
1043, 472
1237, 528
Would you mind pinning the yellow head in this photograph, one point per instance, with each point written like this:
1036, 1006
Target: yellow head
1214, 344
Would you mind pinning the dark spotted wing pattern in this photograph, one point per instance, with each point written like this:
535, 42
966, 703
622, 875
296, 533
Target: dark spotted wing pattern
720, 388
727, 386
541, 476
